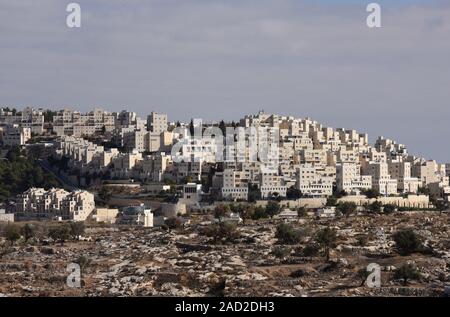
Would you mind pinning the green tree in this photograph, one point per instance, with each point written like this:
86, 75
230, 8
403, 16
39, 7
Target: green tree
407, 272
28, 231
77, 228
259, 213
286, 234
371, 193
83, 262
293, 193
173, 223
272, 208
389, 208
302, 211
246, 213
375, 207
407, 241
327, 239
331, 201
12, 233
346, 208
104, 194
221, 211
222, 232
60, 233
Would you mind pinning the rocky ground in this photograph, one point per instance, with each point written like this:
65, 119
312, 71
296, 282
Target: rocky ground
182, 262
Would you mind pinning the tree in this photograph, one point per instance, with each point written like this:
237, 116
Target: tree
440, 205
407, 241
346, 208
389, 208
221, 211
192, 128
104, 194
280, 251
76, 228
259, 213
223, 127
371, 193
253, 193
272, 208
331, 201
375, 207
83, 262
407, 272
302, 211
28, 231
12, 233
60, 233
247, 213
286, 234
173, 223
224, 232
327, 239
293, 193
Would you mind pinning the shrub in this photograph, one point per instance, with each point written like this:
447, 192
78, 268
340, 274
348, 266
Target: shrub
280, 251
327, 238
272, 208
225, 231
407, 272
60, 233
173, 223
286, 234
346, 208
375, 207
12, 233
362, 239
76, 228
259, 213
388, 209
311, 249
407, 242
28, 231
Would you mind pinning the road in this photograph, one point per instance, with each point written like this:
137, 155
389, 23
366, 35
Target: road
63, 180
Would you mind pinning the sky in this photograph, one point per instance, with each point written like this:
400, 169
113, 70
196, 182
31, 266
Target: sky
222, 59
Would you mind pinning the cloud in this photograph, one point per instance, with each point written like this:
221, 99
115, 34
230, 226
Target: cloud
222, 59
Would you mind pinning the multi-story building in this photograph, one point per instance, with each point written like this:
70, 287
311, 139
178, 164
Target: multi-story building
381, 180
15, 135
157, 122
74, 123
38, 203
311, 183
349, 179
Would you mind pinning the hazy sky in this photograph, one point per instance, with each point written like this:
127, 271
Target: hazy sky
215, 59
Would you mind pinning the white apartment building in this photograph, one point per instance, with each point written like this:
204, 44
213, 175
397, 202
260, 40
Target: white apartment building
311, 183
428, 172
157, 122
235, 184
15, 135
69, 122
349, 179
38, 203
440, 189
381, 180
271, 185
401, 171
28, 118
